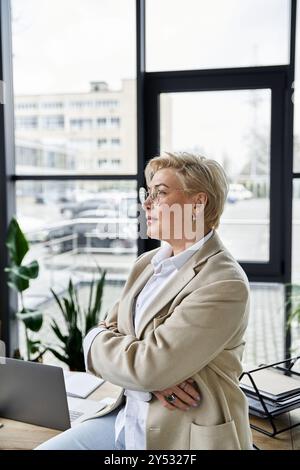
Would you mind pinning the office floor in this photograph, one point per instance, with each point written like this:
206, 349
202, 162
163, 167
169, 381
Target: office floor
289, 440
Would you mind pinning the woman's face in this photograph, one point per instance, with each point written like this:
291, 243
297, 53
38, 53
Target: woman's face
169, 217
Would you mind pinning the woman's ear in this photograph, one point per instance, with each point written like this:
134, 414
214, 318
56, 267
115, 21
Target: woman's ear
201, 198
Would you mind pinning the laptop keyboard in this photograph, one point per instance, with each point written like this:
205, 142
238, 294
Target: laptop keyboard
75, 414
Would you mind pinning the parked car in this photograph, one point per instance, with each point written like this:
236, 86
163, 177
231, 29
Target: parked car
91, 231
238, 192
124, 204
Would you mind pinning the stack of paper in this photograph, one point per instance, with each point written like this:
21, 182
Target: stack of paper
81, 384
272, 384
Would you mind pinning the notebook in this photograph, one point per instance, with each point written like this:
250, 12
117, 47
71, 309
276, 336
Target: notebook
81, 384
80, 409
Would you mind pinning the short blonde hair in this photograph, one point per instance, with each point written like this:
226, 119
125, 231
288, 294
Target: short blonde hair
198, 174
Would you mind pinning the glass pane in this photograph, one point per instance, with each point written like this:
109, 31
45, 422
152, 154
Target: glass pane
296, 99
296, 233
72, 227
265, 332
74, 84
232, 127
296, 265
200, 34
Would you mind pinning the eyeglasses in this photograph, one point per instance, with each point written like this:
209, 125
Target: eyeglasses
155, 196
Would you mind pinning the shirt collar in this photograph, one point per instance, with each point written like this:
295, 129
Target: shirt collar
164, 257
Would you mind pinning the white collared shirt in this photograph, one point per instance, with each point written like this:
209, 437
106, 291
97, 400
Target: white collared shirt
133, 414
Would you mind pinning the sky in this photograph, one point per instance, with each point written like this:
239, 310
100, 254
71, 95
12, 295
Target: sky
216, 33
62, 45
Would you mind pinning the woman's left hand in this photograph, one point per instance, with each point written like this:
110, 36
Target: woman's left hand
186, 394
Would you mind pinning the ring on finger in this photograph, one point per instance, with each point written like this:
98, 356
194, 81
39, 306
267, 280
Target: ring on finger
170, 398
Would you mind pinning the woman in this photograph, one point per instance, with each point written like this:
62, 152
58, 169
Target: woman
177, 330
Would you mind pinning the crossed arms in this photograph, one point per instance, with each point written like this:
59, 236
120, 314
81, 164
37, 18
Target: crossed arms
198, 329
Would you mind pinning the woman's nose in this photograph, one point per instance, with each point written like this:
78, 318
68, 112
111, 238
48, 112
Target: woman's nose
147, 203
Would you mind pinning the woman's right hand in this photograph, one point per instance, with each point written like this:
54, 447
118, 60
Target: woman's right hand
186, 393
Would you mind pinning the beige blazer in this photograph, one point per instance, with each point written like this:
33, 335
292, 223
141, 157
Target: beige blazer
194, 328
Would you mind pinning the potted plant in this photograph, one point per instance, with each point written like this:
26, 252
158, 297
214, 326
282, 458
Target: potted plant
19, 278
78, 321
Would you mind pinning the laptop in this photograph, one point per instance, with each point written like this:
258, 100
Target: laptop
35, 393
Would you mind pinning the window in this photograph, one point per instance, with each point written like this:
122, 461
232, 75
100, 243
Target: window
200, 34
296, 99
101, 122
115, 142
67, 239
81, 123
103, 163
296, 231
107, 103
26, 105
52, 105
116, 162
26, 122
242, 121
48, 80
76, 133
296, 257
115, 121
63, 123
102, 143
53, 122
32, 155
82, 104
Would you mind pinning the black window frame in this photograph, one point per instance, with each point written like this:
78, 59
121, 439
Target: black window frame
274, 78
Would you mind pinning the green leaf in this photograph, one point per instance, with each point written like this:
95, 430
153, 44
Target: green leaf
16, 242
17, 281
31, 270
59, 303
33, 346
58, 333
33, 319
19, 276
93, 312
98, 297
91, 295
68, 311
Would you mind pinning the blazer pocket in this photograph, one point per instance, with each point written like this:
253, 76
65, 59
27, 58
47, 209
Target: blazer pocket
218, 437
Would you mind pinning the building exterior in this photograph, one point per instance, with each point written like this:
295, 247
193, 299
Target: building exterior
93, 132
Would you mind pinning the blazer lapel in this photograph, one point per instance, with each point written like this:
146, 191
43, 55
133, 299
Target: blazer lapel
175, 285
170, 290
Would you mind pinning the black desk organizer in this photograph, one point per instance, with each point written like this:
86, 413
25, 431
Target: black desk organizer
266, 408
